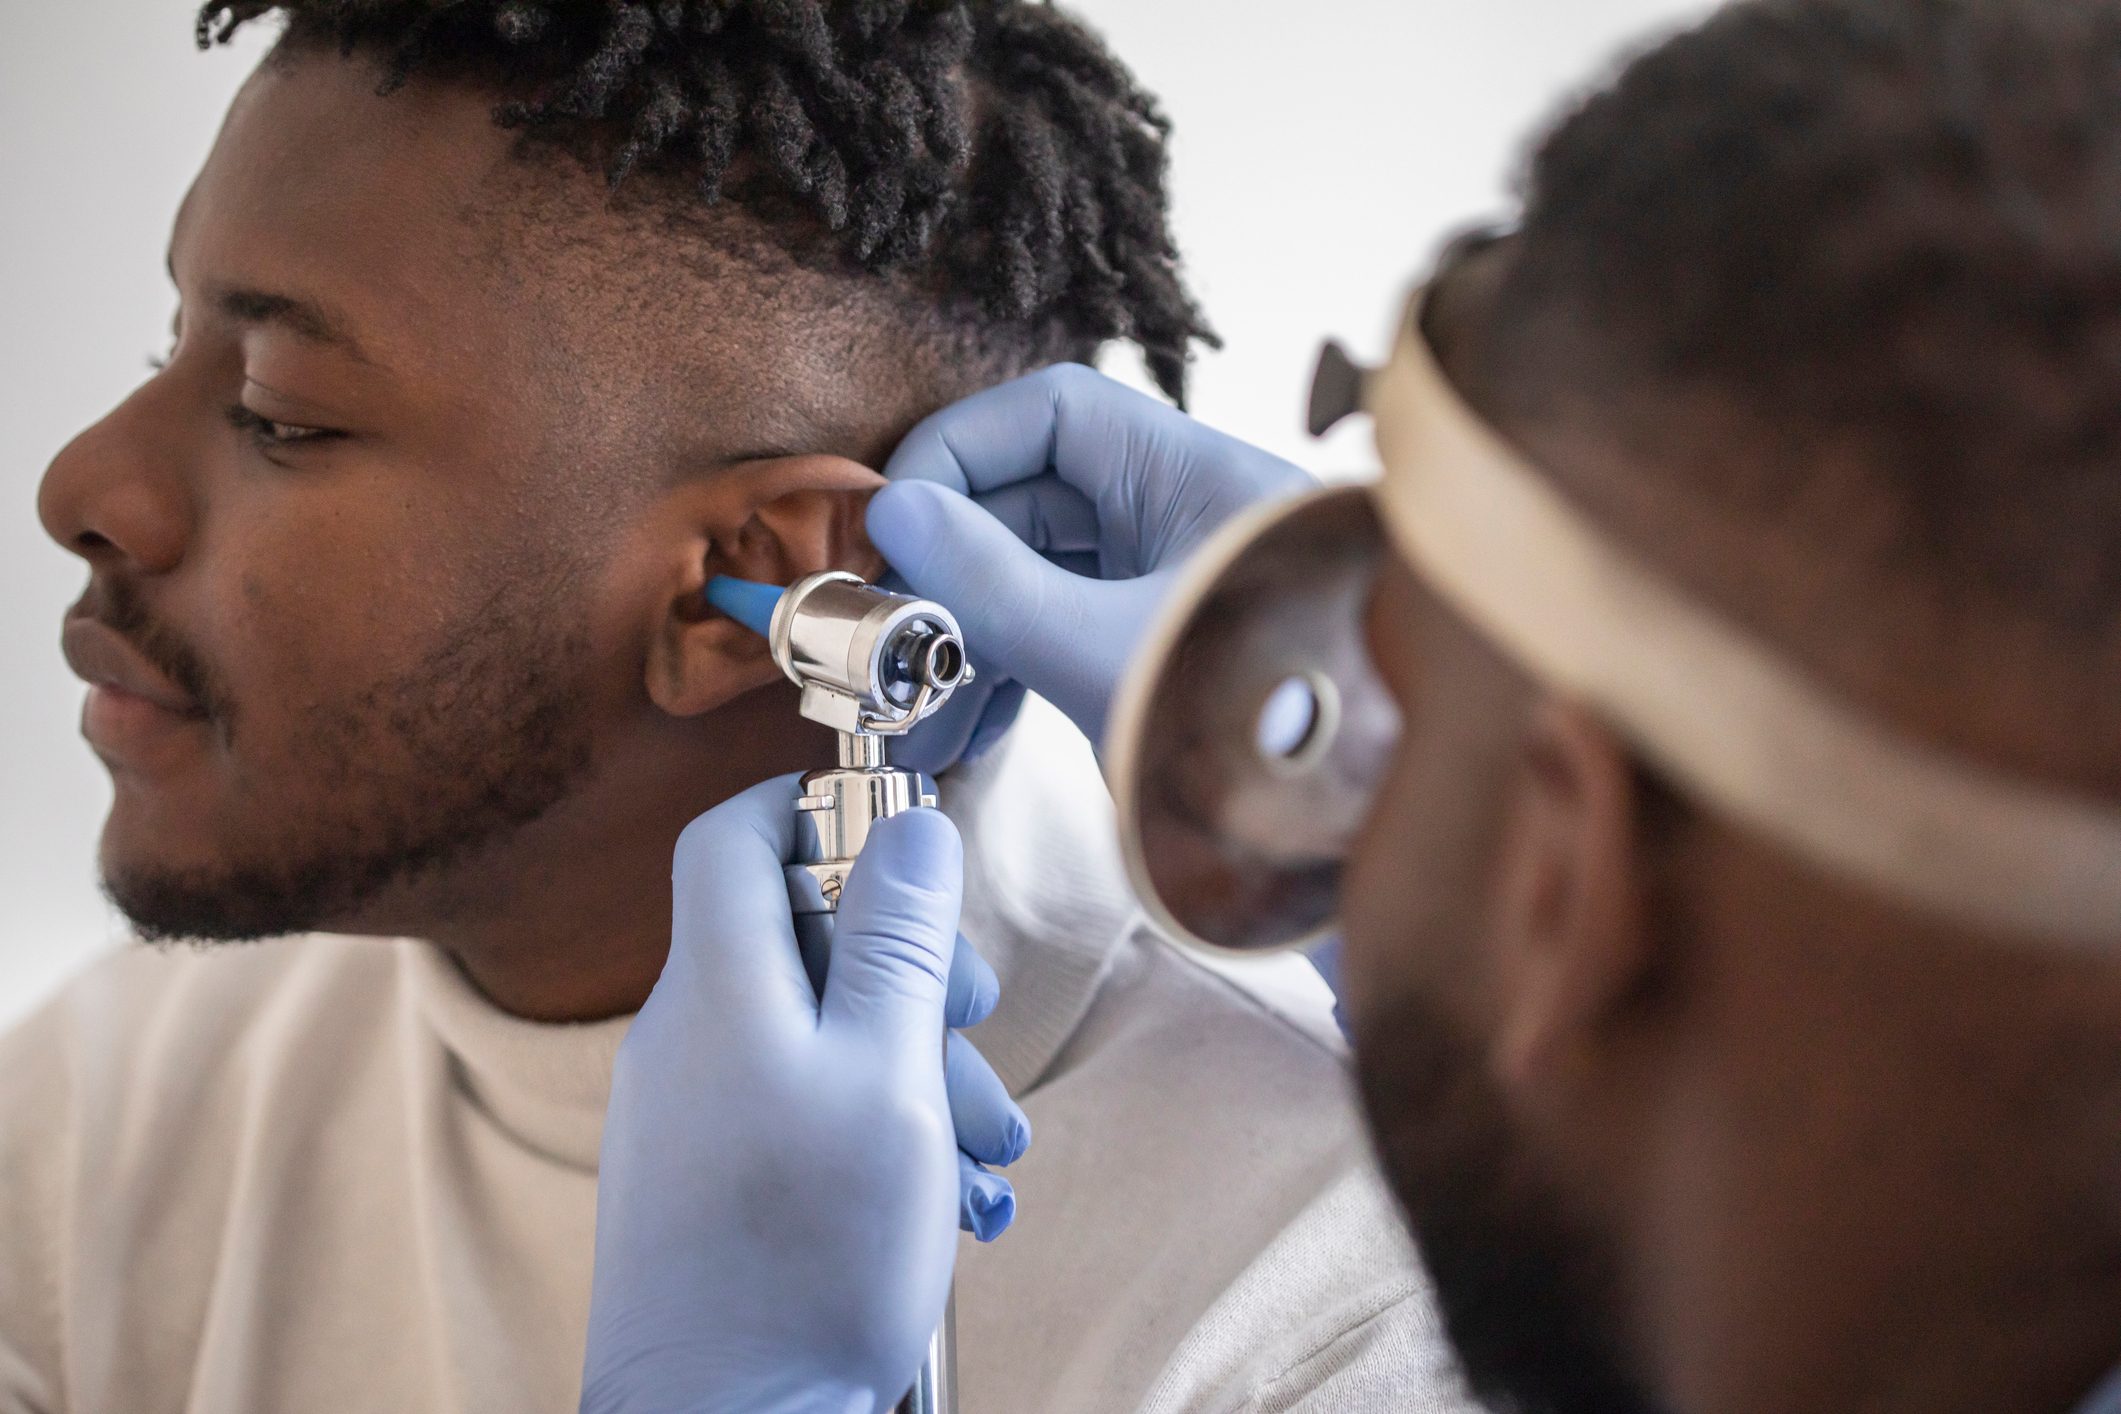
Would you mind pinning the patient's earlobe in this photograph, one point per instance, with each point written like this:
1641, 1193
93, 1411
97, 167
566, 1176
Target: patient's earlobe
771, 520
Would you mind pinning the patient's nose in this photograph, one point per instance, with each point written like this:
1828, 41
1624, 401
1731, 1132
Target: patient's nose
116, 496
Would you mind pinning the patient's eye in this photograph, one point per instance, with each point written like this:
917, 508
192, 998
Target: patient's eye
268, 433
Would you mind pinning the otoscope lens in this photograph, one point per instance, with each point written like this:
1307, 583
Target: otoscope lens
946, 661
924, 655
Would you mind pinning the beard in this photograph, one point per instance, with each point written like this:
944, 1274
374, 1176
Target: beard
484, 734
1528, 1295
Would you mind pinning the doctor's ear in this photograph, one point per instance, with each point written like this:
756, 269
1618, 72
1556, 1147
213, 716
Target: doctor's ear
773, 521
1571, 938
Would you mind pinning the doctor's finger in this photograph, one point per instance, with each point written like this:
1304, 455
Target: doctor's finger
732, 939
1003, 592
995, 721
897, 926
973, 989
986, 1202
1068, 419
1045, 513
942, 740
1110, 442
991, 1127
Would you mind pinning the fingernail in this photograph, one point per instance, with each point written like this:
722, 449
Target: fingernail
1017, 1140
993, 1209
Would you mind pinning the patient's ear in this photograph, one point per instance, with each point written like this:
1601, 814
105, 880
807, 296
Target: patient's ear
773, 521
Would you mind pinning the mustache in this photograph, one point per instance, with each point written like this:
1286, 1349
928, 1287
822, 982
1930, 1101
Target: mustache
118, 605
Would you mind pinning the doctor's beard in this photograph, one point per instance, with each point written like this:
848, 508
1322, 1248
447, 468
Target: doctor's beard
1528, 1293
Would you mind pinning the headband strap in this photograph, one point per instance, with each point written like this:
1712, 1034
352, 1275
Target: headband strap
1724, 716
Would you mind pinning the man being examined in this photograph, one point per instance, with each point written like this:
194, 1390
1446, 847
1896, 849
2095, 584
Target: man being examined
502, 328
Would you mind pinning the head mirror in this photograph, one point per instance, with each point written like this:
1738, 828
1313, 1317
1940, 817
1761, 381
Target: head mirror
1252, 730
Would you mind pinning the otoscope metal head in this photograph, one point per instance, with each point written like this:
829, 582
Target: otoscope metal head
868, 661
872, 665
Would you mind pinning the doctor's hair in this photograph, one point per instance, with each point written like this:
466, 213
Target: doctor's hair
993, 152
1851, 269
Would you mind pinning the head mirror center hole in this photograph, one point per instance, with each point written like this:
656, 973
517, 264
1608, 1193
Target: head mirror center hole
1296, 722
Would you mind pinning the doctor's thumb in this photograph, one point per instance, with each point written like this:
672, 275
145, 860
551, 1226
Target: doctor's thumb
897, 929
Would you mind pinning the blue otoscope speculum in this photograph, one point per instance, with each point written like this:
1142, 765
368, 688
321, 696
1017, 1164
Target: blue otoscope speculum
750, 604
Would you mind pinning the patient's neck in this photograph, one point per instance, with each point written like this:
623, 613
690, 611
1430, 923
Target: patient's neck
569, 918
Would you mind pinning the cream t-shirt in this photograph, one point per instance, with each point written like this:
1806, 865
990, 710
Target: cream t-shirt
325, 1175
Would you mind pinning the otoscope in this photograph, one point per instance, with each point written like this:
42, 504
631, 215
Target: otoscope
871, 665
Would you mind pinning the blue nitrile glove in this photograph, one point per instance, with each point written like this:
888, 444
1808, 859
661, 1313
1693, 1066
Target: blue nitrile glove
1084, 497
782, 1177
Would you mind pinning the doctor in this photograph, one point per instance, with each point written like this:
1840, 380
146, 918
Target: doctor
1734, 932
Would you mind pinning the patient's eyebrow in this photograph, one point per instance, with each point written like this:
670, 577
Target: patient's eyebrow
303, 318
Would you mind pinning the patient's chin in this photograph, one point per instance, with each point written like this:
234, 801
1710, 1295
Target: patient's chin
340, 892
201, 907
379, 866
172, 878
172, 890
376, 804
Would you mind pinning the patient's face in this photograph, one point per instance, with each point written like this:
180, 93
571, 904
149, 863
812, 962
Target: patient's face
347, 549
1524, 1280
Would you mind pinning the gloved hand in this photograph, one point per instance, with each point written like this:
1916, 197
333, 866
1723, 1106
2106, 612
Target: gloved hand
1084, 496
783, 1174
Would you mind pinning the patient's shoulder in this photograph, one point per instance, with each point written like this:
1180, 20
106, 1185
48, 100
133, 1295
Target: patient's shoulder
1369, 1339
121, 997
1258, 1035
126, 1086
163, 1024
1256, 1253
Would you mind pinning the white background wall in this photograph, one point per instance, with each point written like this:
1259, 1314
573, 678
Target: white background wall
1322, 150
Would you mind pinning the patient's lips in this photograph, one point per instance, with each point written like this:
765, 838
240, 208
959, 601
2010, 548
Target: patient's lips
134, 712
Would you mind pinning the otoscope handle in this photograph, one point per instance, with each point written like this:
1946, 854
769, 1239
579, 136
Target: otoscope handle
870, 664
836, 811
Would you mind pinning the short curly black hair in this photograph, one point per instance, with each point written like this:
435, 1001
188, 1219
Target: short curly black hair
1888, 232
994, 148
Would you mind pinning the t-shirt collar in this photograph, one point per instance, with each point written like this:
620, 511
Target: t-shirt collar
1046, 902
